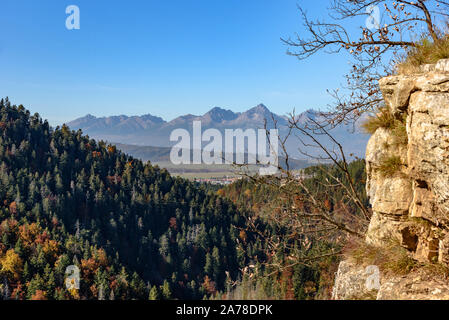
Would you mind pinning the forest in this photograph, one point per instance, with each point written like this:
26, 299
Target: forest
134, 231
296, 264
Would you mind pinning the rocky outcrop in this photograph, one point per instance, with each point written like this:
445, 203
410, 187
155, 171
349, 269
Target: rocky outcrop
411, 206
420, 189
353, 282
414, 286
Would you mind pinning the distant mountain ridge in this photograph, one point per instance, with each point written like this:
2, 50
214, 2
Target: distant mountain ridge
216, 116
149, 130
122, 122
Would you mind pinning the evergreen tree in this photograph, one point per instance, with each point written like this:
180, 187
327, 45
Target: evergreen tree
166, 291
154, 293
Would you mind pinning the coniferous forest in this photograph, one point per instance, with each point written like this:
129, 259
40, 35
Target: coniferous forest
134, 231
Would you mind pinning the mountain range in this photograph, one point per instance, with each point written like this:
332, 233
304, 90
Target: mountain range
149, 130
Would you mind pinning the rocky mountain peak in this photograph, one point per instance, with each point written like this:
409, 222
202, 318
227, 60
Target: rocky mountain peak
217, 114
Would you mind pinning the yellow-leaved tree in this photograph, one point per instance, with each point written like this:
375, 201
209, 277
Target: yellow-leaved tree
11, 264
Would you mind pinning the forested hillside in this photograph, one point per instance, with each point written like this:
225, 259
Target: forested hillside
134, 231
297, 264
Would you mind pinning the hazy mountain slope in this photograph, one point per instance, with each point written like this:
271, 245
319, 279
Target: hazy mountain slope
148, 130
161, 155
146, 153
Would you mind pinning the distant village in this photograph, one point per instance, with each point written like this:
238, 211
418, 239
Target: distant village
222, 181
218, 181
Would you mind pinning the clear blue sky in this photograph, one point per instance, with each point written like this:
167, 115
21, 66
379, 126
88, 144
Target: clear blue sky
164, 57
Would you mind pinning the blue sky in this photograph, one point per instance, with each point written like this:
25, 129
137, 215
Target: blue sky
164, 57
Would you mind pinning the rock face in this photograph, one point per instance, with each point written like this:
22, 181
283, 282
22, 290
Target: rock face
411, 205
415, 286
420, 189
353, 283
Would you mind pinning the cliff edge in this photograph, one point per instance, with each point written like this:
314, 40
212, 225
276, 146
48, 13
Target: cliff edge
407, 162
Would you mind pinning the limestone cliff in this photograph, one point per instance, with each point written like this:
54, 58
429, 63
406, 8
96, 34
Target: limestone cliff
411, 204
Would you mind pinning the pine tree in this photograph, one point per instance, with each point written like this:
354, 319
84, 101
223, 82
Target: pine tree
208, 267
154, 294
6, 294
101, 292
166, 291
111, 295
26, 271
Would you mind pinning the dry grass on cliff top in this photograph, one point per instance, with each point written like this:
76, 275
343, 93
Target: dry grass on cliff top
382, 119
425, 52
391, 259
385, 119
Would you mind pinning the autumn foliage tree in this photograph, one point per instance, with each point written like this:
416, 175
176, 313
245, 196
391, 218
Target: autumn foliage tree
11, 264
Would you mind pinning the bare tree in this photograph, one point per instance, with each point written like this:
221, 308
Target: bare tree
391, 27
305, 209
